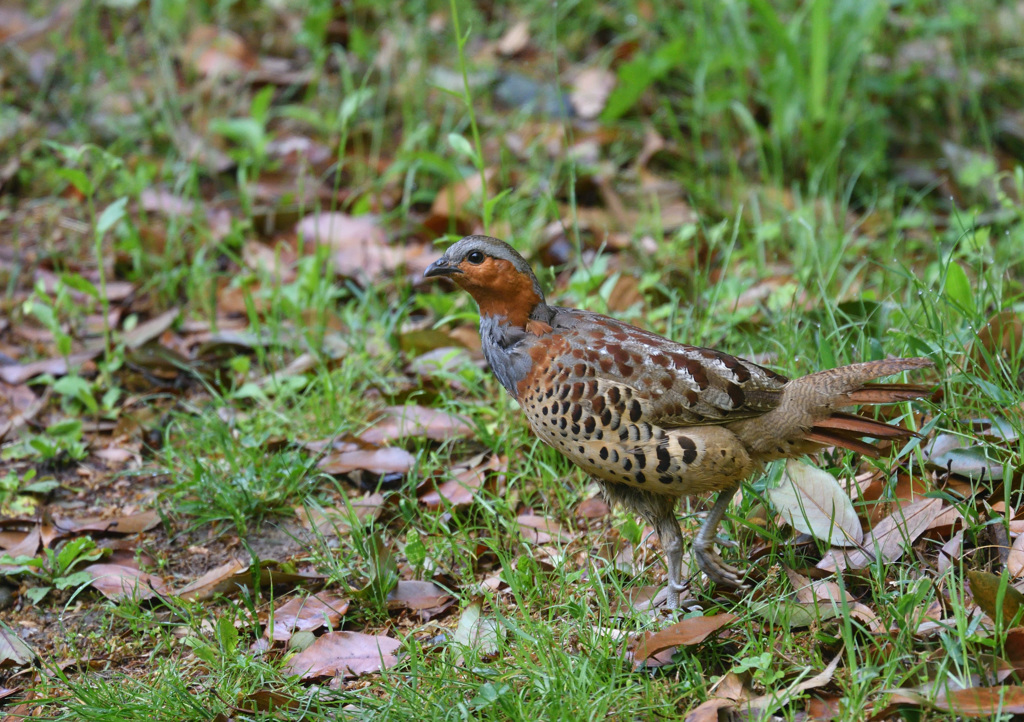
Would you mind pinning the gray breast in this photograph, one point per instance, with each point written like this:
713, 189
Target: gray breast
502, 346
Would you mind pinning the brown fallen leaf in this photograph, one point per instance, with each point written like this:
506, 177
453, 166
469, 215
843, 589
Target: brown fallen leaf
461, 490
20, 373
417, 595
685, 633
420, 421
388, 460
337, 520
128, 524
542, 530
125, 581
515, 39
234, 574
150, 330
306, 614
348, 654
593, 508
27, 546
987, 589
13, 651
215, 52
590, 92
972, 702
889, 538
708, 710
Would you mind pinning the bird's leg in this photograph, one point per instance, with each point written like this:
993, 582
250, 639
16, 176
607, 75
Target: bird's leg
709, 560
671, 538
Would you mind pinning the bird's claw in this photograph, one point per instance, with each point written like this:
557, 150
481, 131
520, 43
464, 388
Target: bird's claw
671, 594
716, 568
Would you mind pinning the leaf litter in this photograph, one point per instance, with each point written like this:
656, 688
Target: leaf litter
168, 348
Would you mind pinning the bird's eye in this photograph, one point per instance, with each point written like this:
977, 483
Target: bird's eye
475, 257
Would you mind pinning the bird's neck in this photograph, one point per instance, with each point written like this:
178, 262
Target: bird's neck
511, 299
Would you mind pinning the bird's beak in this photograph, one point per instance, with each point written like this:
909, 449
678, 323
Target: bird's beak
441, 267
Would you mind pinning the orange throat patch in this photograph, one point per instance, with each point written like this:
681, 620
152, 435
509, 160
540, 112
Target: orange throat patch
500, 290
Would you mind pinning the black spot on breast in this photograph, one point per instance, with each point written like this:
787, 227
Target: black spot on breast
666, 479
603, 453
606, 417
544, 410
615, 456
688, 448
640, 478
581, 449
549, 393
614, 395
627, 464
575, 429
564, 392
664, 458
577, 412
562, 423
577, 391
724, 453
597, 403
635, 411
589, 425
565, 407
624, 433
641, 459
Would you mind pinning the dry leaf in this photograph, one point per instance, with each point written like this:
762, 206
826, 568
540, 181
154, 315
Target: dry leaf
515, 39
986, 588
149, 330
20, 373
890, 537
125, 581
971, 702
476, 632
349, 654
812, 501
685, 633
420, 421
461, 490
590, 92
541, 530
306, 614
128, 524
13, 651
389, 460
417, 595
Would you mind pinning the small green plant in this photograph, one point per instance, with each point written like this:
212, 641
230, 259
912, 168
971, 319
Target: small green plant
60, 443
56, 568
17, 493
223, 478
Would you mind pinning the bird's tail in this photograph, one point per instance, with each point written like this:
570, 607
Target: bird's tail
849, 386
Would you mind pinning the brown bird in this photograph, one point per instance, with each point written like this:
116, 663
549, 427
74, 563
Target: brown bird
650, 419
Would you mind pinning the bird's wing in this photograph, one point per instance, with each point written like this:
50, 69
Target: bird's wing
674, 384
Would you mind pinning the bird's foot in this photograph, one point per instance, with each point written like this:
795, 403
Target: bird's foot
712, 564
672, 600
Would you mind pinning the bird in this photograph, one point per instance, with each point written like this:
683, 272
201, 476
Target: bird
652, 420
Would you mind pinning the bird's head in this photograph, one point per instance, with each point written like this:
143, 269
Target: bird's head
495, 275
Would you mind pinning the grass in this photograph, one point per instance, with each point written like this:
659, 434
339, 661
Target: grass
849, 196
